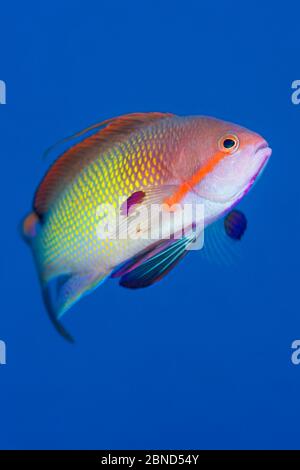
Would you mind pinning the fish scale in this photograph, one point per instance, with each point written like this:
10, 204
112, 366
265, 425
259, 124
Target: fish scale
145, 159
116, 174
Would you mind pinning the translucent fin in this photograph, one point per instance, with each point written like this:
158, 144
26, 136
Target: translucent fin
156, 264
62, 292
222, 241
47, 296
140, 213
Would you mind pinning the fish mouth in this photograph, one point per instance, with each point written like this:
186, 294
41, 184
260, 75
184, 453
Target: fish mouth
264, 152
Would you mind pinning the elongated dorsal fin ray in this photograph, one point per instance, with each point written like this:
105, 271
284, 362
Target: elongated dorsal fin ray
78, 156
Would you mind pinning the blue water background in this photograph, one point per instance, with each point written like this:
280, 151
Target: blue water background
202, 360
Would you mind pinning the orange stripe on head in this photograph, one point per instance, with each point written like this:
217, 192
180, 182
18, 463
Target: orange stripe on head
185, 187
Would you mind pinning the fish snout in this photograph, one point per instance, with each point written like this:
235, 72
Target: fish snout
262, 150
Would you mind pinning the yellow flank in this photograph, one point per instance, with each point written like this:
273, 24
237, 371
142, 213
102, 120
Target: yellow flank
69, 238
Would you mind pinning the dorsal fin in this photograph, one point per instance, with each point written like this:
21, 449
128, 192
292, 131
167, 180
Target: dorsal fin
74, 159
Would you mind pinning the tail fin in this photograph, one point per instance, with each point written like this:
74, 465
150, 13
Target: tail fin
63, 291
30, 228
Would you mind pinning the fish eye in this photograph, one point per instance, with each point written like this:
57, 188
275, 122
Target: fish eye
229, 143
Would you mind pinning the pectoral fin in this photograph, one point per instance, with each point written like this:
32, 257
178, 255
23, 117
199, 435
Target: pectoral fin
222, 239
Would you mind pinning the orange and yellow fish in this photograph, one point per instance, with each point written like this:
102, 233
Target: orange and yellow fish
134, 162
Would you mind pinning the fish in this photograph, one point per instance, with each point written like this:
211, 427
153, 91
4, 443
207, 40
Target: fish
90, 215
